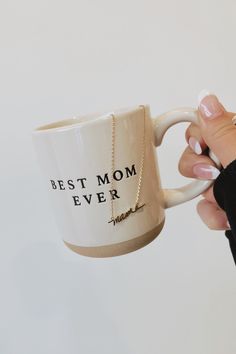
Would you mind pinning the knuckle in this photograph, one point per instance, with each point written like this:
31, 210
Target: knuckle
192, 130
182, 164
189, 132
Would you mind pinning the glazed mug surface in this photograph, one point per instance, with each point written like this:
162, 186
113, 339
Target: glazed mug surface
102, 174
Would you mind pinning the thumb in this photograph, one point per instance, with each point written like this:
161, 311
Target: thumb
217, 127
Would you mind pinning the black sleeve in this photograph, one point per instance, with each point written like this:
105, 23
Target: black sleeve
224, 190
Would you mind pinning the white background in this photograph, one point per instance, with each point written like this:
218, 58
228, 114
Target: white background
64, 58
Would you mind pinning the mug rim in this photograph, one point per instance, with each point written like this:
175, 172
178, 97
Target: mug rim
86, 119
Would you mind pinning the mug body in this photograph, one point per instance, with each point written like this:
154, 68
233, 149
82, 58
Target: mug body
92, 167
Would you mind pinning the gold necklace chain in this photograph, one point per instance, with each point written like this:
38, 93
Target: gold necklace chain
119, 218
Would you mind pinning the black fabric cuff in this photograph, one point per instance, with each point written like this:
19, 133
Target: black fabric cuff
232, 243
224, 190
225, 185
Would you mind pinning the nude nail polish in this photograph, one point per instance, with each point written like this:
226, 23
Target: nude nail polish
228, 225
205, 171
209, 105
194, 145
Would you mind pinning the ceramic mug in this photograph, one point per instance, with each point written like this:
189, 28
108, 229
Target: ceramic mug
96, 165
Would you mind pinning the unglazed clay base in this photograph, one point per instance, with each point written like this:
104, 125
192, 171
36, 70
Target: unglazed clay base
118, 248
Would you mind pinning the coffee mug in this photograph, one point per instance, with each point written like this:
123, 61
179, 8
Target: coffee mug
103, 177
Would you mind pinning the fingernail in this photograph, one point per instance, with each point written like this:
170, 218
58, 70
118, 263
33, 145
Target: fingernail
203, 94
205, 171
195, 146
209, 105
234, 120
228, 225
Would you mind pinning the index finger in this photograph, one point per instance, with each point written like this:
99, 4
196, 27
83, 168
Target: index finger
193, 131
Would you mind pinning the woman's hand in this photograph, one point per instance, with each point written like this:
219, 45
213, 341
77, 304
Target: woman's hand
216, 131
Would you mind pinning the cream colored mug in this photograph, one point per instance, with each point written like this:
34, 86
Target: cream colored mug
103, 177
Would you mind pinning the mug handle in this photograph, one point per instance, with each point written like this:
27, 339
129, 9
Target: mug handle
162, 123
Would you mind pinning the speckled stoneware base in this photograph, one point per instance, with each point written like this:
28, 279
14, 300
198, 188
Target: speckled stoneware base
118, 248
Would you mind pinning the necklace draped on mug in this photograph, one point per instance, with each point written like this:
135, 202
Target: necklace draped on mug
116, 219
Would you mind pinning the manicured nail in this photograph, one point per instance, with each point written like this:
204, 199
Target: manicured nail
209, 105
205, 171
195, 146
203, 94
228, 225
234, 120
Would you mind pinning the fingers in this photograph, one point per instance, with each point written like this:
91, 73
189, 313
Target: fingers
214, 217
189, 159
193, 132
193, 162
209, 195
216, 127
